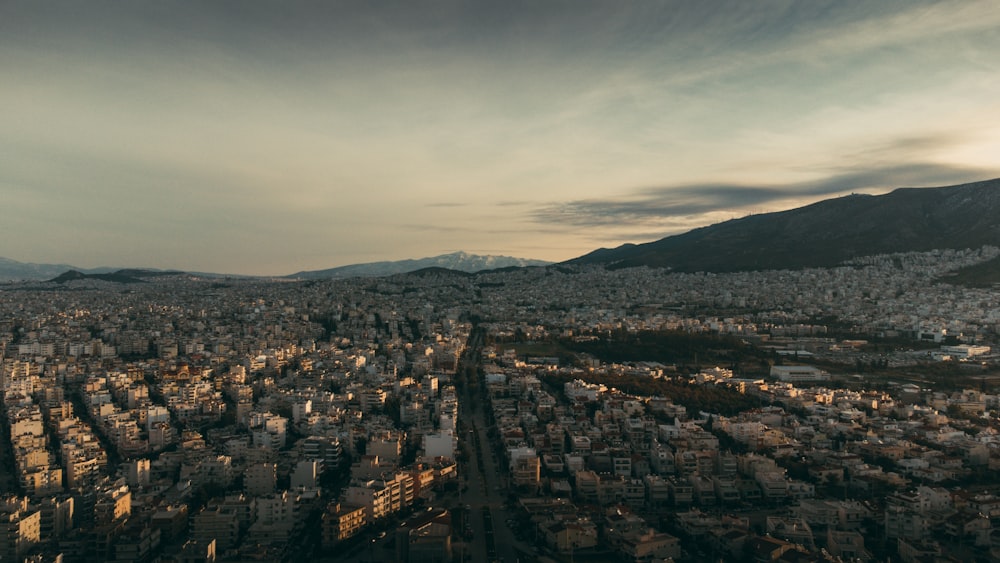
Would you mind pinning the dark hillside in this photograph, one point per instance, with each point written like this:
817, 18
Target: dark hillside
827, 233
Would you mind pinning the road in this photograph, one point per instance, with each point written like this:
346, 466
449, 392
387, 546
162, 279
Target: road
485, 495
481, 485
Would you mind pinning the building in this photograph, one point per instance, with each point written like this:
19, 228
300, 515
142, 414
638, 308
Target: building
375, 497
20, 527
570, 535
305, 475
441, 444
527, 472
218, 524
798, 374
260, 479
651, 545
425, 537
965, 351
195, 551
340, 522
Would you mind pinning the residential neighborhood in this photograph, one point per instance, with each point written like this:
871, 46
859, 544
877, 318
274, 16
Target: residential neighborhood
846, 414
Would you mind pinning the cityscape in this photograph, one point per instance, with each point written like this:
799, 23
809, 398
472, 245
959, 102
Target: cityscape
559, 413
499, 282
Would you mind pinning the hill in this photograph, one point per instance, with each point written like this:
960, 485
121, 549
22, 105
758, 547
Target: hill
12, 270
986, 274
121, 276
458, 261
826, 233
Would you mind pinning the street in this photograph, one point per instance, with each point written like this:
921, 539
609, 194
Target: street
484, 483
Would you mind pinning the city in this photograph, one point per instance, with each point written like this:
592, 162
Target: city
499, 282
564, 413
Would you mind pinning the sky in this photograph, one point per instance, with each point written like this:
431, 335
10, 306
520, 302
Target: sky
266, 138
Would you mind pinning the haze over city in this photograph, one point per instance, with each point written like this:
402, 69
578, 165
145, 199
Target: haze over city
259, 138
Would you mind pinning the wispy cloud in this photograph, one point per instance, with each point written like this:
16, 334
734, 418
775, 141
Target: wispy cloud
245, 129
668, 205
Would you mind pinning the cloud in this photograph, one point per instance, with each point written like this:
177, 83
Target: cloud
889, 177
236, 135
671, 205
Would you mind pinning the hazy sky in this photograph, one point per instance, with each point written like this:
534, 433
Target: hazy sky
271, 137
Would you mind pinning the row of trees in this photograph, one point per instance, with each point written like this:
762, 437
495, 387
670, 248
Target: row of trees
695, 398
670, 346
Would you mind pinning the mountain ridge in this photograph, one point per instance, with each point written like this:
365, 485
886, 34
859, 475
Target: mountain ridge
127, 275
458, 261
825, 233
12, 270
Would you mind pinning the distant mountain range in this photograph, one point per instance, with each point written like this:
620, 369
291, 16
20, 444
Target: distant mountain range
12, 270
827, 233
823, 234
458, 261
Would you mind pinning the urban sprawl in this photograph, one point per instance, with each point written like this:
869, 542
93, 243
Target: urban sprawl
539, 414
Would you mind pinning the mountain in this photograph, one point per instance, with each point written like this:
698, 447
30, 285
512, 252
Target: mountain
12, 270
130, 275
826, 233
459, 261
984, 274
